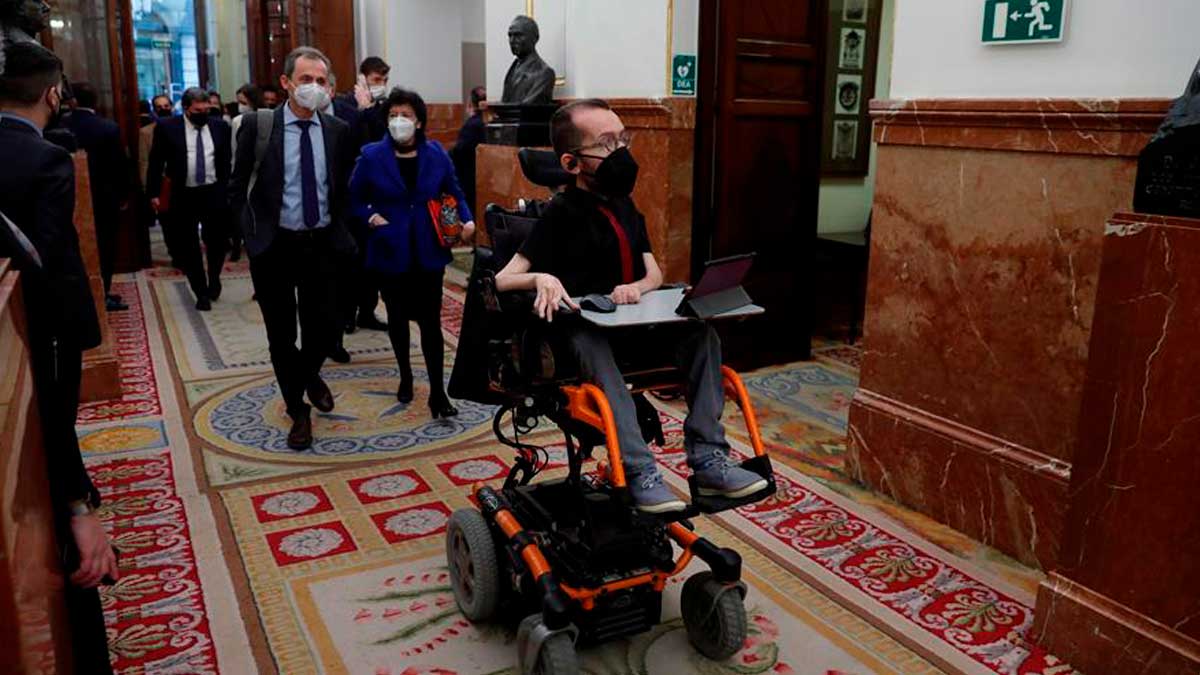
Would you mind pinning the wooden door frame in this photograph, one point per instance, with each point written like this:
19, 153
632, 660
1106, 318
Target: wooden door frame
712, 73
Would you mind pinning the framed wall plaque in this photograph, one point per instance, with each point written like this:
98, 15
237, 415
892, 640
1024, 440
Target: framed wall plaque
851, 65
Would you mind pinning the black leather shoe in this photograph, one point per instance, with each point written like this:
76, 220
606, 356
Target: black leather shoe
405, 393
214, 291
442, 409
339, 355
203, 305
300, 437
369, 322
112, 304
319, 395
236, 254
350, 328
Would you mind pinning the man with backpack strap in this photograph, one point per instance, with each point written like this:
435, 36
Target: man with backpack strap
289, 192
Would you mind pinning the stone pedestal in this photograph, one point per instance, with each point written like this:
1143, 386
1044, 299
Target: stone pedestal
520, 125
1125, 598
664, 134
985, 254
101, 369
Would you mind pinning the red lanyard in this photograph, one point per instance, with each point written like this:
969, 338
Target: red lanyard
623, 245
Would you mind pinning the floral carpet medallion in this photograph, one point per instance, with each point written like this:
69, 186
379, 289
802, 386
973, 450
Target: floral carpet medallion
251, 419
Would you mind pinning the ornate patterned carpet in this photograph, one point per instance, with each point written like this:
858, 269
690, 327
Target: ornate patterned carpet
241, 556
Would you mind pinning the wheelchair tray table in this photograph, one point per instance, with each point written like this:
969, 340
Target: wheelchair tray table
657, 307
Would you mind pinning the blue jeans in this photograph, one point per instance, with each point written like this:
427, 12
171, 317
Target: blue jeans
698, 355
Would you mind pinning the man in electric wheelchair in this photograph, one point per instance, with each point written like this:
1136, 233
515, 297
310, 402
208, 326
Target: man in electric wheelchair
591, 240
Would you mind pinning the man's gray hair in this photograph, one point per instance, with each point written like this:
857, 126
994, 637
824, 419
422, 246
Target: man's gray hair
311, 53
191, 95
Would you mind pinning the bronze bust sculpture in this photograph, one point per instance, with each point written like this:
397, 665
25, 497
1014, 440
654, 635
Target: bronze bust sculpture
1168, 177
22, 20
529, 80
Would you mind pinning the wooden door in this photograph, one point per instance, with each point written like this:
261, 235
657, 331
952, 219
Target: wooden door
333, 33
758, 161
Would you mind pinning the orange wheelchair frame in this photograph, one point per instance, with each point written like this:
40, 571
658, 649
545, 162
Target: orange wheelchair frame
712, 601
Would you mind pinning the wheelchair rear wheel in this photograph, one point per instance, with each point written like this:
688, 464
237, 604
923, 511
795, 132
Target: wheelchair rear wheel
474, 571
714, 616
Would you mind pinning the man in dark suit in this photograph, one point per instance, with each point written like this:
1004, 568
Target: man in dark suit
470, 136
292, 207
364, 110
108, 173
37, 193
196, 152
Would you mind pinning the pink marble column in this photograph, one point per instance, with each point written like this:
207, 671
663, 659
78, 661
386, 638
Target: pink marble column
1125, 597
985, 253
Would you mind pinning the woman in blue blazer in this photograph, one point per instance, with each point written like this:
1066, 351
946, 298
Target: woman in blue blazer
390, 189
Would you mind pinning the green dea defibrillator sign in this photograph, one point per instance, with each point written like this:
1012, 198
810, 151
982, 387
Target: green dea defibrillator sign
1024, 21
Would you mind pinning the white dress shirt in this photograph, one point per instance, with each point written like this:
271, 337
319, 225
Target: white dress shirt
210, 154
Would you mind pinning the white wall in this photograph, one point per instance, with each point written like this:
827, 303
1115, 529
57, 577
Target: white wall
474, 25
613, 48
227, 31
420, 39
1113, 49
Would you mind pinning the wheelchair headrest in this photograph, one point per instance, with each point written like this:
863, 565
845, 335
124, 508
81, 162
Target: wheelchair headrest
541, 167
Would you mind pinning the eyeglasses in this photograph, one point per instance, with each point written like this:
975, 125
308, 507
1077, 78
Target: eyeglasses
610, 143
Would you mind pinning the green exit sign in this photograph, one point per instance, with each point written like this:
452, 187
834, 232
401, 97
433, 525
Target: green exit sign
1023, 21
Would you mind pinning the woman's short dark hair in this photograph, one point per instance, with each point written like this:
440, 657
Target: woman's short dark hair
408, 97
252, 94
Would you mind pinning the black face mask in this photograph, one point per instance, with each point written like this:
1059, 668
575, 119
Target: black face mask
617, 174
162, 113
198, 119
216, 112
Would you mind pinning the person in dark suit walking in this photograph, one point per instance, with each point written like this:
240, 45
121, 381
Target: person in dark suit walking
37, 193
365, 110
470, 136
289, 193
108, 172
196, 152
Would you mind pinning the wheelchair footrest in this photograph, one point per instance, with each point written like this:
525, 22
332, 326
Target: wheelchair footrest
716, 503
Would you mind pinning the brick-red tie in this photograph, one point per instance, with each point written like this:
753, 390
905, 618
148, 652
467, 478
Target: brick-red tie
623, 245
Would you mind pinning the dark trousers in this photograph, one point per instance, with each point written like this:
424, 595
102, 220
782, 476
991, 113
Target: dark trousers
106, 243
298, 274
57, 371
417, 296
204, 206
360, 289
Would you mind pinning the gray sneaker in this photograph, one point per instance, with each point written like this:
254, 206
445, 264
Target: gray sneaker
651, 495
722, 477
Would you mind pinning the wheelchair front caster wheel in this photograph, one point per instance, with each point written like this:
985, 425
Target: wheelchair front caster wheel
474, 571
557, 657
714, 616
543, 652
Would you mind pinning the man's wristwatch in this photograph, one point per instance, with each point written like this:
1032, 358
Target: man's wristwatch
81, 507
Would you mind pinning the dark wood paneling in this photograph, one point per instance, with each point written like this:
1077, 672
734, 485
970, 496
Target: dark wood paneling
758, 154
333, 33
